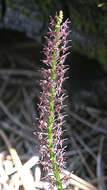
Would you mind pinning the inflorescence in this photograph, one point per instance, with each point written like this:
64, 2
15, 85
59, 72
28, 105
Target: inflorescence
51, 119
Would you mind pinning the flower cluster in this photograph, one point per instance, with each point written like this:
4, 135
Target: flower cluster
51, 104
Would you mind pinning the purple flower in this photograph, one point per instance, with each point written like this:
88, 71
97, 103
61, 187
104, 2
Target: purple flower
51, 101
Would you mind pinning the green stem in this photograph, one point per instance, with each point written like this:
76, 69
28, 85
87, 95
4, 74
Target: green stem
52, 111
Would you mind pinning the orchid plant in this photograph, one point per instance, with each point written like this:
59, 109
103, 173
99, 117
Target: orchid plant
51, 104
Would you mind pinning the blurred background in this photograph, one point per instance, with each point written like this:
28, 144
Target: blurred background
23, 25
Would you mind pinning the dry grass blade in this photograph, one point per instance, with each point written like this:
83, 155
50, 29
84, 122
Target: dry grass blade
22, 133
101, 184
83, 159
14, 119
24, 175
15, 72
80, 183
88, 124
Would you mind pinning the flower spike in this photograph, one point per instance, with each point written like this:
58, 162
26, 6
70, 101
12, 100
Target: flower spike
51, 102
